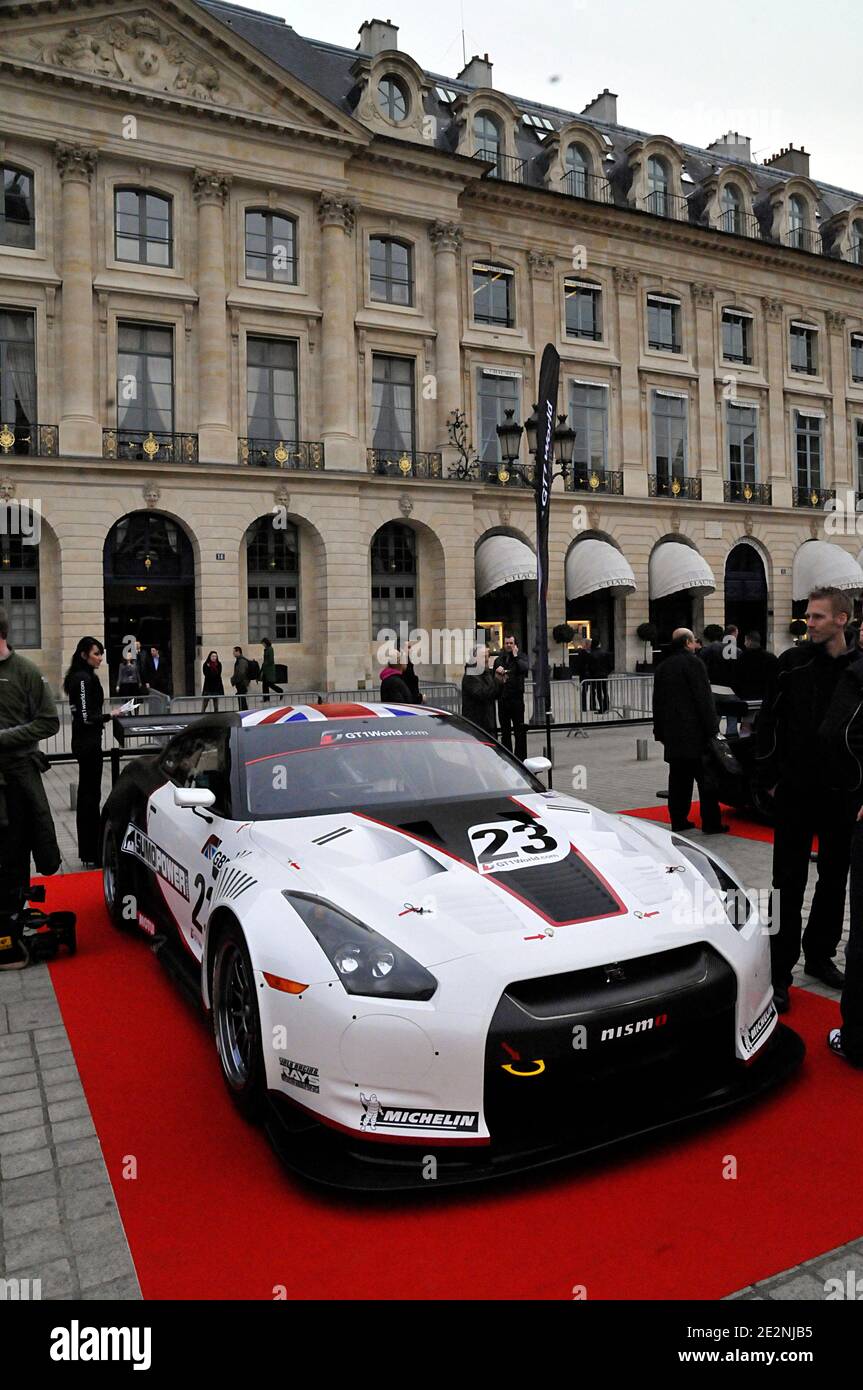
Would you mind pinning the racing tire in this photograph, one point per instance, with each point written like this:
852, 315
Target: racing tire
116, 886
237, 1024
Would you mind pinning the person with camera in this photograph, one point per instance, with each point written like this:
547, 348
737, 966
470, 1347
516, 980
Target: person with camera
27, 715
510, 671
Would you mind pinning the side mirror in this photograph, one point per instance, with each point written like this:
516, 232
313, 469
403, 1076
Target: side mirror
537, 765
194, 798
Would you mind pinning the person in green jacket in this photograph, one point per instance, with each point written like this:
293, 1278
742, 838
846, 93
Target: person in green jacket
27, 715
268, 670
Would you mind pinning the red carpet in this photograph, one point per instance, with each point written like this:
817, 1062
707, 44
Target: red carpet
212, 1215
738, 823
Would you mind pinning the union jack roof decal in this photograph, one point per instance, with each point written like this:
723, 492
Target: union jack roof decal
288, 714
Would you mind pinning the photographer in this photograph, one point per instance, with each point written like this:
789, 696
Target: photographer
27, 715
510, 671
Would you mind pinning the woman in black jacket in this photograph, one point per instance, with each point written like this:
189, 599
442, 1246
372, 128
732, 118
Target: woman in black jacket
86, 697
213, 686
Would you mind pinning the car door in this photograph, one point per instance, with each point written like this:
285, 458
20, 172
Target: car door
190, 841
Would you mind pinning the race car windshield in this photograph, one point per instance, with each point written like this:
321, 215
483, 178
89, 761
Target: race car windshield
344, 764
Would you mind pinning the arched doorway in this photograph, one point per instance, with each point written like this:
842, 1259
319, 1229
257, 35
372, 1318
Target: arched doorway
678, 577
746, 591
149, 574
505, 579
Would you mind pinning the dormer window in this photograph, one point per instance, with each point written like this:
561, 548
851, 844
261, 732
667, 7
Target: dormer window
487, 141
732, 209
857, 241
801, 234
17, 223
658, 186
578, 170
393, 99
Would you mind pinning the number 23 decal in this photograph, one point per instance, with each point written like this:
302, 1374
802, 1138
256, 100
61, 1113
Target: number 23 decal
504, 845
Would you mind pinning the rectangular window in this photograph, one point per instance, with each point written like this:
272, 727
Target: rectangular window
857, 356
736, 337
393, 604
17, 369
17, 223
271, 389
808, 435
859, 424
493, 295
583, 310
21, 602
271, 247
495, 395
145, 378
669, 436
273, 612
742, 422
804, 349
663, 323
142, 227
588, 416
393, 417
390, 271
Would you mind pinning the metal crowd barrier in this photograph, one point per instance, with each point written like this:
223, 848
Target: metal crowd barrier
615, 699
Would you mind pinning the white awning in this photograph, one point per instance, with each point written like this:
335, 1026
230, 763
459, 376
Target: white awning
823, 562
677, 568
502, 560
593, 566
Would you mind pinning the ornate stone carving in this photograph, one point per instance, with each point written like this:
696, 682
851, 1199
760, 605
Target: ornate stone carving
140, 51
505, 514
75, 162
835, 320
282, 497
210, 187
8, 488
814, 528
703, 296
748, 525
773, 309
446, 236
406, 504
337, 211
151, 493
541, 265
675, 522
625, 279
593, 517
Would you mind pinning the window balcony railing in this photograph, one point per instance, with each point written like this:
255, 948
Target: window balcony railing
855, 252
281, 453
387, 463
801, 239
580, 185
149, 446
594, 480
666, 205
663, 345
812, 496
34, 441
677, 486
739, 223
500, 474
506, 166
758, 494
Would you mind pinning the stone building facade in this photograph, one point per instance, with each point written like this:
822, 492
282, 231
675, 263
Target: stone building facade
247, 278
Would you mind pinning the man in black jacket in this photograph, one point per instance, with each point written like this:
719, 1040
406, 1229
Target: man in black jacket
479, 692
801, 731
510, 670
684, 722
27, 715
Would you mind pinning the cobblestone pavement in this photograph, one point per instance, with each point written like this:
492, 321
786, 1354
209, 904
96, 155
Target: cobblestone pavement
59, 1221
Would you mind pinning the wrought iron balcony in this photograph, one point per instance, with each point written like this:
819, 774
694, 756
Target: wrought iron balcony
675, 486
739, 223
29, 440
577, 184
594, 480
392, 464
516, 474
855, 252
758, 494
666, 205
149, 446
815, 497
801, 239
506, 166
281, 453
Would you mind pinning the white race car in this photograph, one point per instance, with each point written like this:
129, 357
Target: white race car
411, 949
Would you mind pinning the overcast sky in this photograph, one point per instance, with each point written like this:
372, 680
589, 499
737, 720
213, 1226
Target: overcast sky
780, 71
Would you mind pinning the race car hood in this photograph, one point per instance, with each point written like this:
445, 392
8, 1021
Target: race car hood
454, 878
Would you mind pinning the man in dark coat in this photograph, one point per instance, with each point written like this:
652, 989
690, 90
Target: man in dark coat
510, 670
756, 667
479, 692
27, 715
684, 722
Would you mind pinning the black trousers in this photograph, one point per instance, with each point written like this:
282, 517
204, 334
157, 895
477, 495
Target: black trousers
267, 686
852, 994
801, 815
682, 774
511, 716
215, 699
89, 758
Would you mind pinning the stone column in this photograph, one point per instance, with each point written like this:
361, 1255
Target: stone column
80, 432
709, 464
337, 216
216, 442
446, 239
774, 443
629, 347
841, 477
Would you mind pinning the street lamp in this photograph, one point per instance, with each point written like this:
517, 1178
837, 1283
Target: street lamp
509, 434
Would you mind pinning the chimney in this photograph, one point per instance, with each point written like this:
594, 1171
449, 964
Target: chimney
791, 160
377, 36
477, 73
603, 107
733, 146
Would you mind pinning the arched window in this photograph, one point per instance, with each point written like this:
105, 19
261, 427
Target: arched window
273, 566
798, 221
19, 573
142, 227
732, 209
394, 578
390, 270
17, 220
578, 169
393, 98
857, 241
658, 186
271, 247
487, 140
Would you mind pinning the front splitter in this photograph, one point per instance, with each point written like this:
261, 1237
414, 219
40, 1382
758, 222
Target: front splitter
329, 1159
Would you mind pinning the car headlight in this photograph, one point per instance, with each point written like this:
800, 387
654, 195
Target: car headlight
365, 962
737, 904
